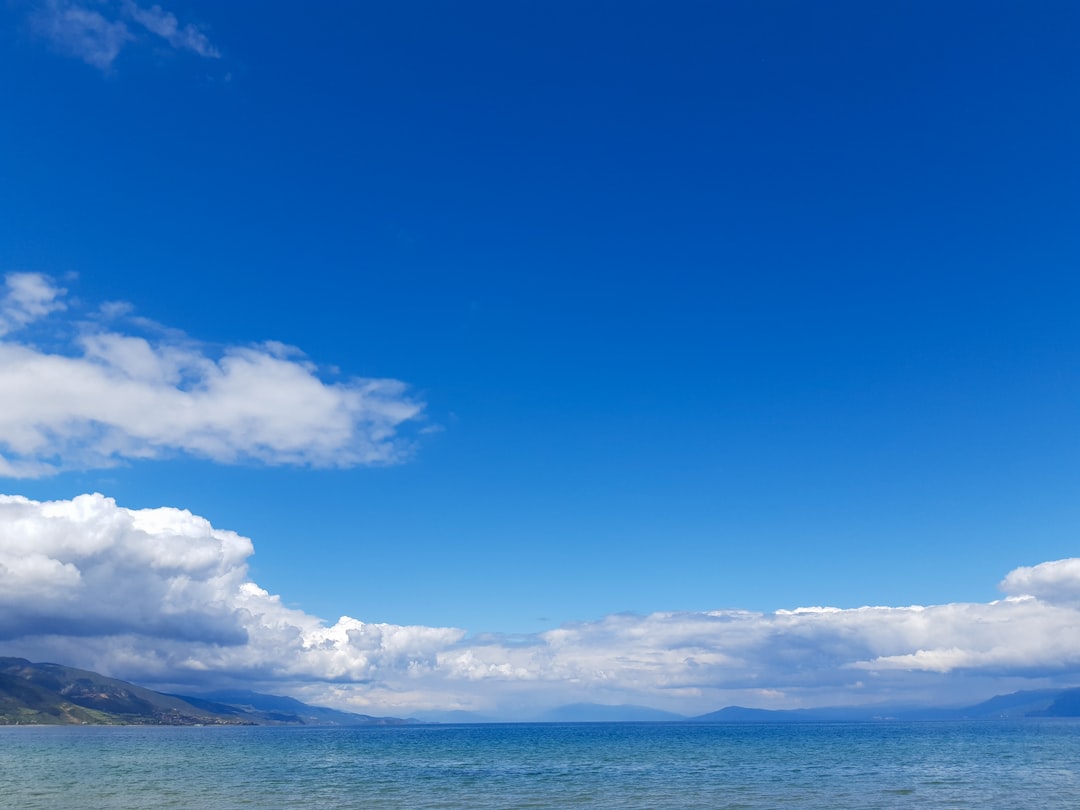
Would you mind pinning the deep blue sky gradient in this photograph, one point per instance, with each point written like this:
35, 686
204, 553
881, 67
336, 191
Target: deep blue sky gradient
755, 305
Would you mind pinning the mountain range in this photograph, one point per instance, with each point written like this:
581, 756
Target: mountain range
1014, 706
54, 694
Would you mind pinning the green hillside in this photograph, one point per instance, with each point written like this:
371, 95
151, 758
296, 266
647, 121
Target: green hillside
57, 695
53, 694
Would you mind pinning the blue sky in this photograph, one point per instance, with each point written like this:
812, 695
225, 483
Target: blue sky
694, 306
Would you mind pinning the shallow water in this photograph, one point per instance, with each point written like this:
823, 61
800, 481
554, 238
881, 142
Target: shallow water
611, 765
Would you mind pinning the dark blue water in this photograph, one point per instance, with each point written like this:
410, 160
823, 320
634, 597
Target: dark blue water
617, 765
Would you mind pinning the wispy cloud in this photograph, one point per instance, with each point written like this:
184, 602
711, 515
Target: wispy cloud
81, 31
28, 297
158, 21
111, 395
162, 596
96, 32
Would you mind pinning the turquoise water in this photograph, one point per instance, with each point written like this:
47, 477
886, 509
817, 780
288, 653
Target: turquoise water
615, 765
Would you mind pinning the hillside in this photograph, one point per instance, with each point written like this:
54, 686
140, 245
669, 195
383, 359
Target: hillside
53, 694
290, 710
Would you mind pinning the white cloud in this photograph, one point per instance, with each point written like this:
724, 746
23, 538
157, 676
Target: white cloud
164, 592
96, 32
161, 596
1057, 581
27, 297
115, 396
158, 21
80, 31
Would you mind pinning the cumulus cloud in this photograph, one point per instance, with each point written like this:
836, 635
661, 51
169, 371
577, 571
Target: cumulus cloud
96, 32
161, 596
164, 592
114, 395
85, 568
1055, 582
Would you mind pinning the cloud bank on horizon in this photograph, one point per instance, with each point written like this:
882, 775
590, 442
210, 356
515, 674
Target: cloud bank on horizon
161, 596
82, 394
97, 32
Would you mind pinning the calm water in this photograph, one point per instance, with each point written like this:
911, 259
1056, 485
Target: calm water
616, 765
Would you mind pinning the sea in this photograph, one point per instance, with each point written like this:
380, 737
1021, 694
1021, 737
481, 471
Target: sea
985, 765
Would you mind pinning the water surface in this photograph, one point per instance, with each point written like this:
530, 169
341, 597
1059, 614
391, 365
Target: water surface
604, 765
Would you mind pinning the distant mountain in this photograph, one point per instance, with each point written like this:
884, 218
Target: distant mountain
57, 695
1031, 703
604, 713
290, 710
740, 714
1067, 704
